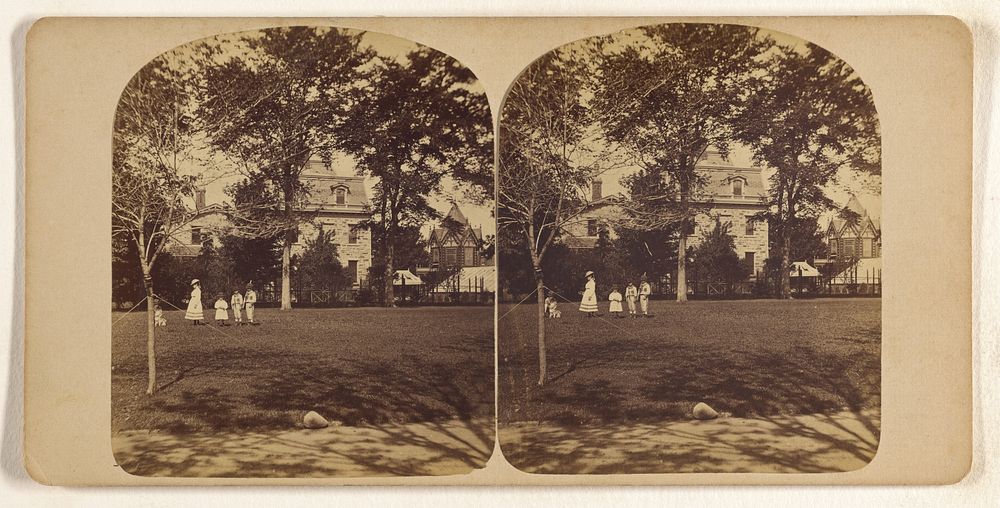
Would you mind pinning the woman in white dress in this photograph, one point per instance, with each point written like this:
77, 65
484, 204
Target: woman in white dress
194, 311
589, 302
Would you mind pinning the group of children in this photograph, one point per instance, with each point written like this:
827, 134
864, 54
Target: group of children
238, 302
588, 304
631, 295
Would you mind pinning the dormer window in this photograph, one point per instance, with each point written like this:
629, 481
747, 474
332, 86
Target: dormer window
340, 195
737, 187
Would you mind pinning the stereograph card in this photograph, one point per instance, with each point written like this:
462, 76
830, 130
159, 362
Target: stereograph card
498, 251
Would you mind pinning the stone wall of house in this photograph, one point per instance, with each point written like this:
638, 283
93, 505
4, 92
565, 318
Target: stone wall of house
608, 216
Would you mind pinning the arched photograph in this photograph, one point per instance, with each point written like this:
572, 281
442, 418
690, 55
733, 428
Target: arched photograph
689, 252
303, 280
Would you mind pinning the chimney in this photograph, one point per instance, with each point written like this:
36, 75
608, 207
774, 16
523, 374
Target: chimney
596, 188
199, 199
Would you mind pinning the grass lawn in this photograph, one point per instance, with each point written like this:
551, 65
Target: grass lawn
365, 366
756, 358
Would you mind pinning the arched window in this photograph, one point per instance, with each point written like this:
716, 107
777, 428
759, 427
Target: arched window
737, 186
341, 195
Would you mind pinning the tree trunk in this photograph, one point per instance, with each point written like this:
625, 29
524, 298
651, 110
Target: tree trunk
286, 272
785, 291
682, 294
388, 276
286, 248
540, 290
150, 330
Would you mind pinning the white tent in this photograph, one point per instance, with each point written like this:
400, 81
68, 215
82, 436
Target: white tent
406, 278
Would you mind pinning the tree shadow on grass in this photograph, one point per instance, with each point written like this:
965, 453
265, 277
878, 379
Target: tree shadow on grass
414, 449
426, 418
795, 411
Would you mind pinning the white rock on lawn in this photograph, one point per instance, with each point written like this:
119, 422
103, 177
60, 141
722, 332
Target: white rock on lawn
703, 411
313, 420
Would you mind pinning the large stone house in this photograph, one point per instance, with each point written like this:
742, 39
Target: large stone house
455, 243
732, 195
336, 202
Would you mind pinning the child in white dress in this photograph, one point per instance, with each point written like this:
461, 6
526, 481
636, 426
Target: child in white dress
616, 302
221, 310
194, 311
589, 302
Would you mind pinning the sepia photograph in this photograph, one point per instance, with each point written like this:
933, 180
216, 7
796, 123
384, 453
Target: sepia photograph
303, 278
689, 253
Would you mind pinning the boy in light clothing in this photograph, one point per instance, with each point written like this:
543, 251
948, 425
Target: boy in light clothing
248, 302
644, 291
236, 302
631, 295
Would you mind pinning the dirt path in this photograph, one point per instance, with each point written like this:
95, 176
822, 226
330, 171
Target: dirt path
809, 443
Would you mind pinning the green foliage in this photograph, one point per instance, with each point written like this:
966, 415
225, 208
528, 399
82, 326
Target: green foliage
252, 259
715, 258
807, 240
318, 266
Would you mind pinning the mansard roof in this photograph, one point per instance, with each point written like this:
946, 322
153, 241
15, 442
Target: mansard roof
323, 182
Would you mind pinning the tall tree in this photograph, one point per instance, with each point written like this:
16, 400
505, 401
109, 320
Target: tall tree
668, 93
420, 120
822, 120
274, 100
152, 144
549, 156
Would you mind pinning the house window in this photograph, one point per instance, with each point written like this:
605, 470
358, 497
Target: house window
847, 248
451, 256
750, 226
340, 195
352, 234
196, 237
748, 258
591, 227
352, 271
737, 187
